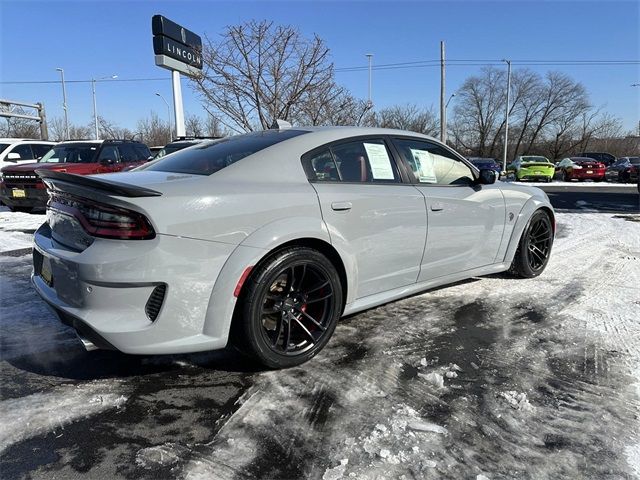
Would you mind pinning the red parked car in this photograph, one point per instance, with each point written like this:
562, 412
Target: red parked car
580, 168
21, 189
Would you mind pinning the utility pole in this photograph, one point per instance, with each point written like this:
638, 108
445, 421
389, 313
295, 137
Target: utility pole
506, 117
369, 103
64, 104
44, 133
443, 108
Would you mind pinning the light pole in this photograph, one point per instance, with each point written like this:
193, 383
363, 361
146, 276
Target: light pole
444, 119
369, 56
64, 104
506, 116
95, 108
168, 116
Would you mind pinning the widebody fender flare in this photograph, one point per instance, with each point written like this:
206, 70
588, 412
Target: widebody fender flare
528, 209
252, 251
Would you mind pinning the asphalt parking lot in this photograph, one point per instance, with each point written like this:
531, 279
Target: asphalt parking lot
489, 378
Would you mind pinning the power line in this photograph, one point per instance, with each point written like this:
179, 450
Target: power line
86, 81
386, 66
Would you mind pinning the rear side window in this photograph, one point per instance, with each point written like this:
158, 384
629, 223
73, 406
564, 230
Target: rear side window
207, 158
131, 152
361, 161
71, 153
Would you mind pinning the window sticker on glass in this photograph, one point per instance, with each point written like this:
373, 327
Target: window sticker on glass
425, 165
379, 161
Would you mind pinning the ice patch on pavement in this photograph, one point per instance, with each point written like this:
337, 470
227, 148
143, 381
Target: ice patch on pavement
42, 413
160, 455
517, 401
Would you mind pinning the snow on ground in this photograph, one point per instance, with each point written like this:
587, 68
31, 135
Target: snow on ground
496, 377
17, 228
490, 378
586, 184
42, 413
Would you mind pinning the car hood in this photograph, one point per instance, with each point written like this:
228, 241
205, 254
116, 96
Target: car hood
56, 167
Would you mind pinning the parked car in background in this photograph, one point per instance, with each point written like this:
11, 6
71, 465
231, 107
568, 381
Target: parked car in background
532, 167
22, 189
580, 168
253, 239
155, 149
624, 170
180, 143
490, 163
20, 150
602, 157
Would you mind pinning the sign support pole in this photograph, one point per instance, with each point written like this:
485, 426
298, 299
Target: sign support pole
177, 104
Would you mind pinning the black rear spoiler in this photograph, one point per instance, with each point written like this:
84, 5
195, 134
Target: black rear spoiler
108, 186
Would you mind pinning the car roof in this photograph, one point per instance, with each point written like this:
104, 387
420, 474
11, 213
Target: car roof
25, 140
585, 159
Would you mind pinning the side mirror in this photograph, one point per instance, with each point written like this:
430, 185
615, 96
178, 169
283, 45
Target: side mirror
14, 156
106, 161
487, 176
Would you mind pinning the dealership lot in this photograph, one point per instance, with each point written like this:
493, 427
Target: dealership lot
493, 376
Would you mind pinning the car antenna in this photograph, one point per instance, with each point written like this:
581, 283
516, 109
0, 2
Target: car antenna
279, 124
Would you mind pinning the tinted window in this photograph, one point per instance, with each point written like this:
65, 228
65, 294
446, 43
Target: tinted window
143, 152
131, 152
71, 153
24, 151
40, 150
109, 153
321, 167
3, 146
635, 160
431, 163
364, 161
207, 158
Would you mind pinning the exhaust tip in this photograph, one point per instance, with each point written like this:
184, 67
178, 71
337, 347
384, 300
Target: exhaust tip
87, 344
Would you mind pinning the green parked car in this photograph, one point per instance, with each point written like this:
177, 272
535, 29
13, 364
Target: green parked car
532, 167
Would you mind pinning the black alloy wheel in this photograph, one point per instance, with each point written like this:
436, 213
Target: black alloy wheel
534, 248
292, 305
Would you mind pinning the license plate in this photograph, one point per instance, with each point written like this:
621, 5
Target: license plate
45, 271
589, 171
18, 193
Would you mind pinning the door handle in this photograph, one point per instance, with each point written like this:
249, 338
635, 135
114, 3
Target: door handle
436, 207
341, 206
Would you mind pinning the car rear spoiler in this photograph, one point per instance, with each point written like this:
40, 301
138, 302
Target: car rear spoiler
108, 186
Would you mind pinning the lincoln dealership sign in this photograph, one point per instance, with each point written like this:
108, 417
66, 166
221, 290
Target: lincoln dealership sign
175, 47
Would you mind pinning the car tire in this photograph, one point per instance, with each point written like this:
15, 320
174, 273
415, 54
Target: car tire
566, 177
289, 307
534, 248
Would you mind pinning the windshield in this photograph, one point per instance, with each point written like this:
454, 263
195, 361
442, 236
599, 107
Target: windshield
3, 146
207, 158
71, 154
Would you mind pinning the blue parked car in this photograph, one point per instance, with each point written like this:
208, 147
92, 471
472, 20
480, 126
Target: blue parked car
489, 163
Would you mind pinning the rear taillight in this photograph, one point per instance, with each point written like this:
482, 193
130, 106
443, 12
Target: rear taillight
101, 220
600, 165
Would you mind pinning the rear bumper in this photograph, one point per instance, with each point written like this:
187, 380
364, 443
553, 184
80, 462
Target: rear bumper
104, 291
583, 175
34, 197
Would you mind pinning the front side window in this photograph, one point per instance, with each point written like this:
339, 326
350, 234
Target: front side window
109, 153
40, 150
24, 151
71, 153
206, 158
432, 164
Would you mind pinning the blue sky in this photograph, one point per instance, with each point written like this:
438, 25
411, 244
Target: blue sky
100, 38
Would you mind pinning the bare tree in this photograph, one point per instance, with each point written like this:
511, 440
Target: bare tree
409, 117
20, 128
259, 72
193, 126
109, 129
213, 127
57, 130
153, 130
332, 104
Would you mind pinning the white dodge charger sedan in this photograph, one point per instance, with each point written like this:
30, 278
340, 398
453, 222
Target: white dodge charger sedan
266, 239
